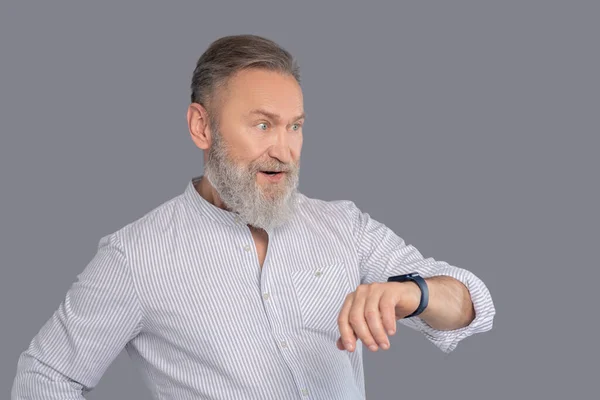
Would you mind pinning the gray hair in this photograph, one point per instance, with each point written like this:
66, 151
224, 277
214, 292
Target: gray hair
230, 54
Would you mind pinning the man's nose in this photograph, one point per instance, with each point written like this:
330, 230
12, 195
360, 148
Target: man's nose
280, 149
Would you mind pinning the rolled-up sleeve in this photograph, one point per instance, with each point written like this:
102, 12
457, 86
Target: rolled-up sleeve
382, 253
98, 316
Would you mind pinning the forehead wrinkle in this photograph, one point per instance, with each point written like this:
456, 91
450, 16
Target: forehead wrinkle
274, 116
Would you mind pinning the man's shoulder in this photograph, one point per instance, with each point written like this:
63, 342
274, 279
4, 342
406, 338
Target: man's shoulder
157, 220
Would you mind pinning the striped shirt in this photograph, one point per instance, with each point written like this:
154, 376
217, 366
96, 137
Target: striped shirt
182, 291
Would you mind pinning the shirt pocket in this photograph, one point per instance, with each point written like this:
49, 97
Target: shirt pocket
321, 292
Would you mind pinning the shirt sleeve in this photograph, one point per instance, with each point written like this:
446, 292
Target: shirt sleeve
98, 316
382, 253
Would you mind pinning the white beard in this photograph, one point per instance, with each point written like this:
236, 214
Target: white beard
237, 187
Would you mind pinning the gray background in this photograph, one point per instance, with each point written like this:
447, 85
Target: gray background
485, 114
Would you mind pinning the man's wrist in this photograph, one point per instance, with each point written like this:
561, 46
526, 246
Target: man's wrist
410, 298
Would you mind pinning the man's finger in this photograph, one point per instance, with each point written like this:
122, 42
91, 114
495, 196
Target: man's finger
357, 318
347, 334
387, 308
339, 344
373, 318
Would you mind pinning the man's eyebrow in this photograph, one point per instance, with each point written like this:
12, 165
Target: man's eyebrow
273, 116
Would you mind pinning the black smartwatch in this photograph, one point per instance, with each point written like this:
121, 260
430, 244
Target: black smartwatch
418, 279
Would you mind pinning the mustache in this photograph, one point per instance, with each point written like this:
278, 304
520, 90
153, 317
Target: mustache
275, 166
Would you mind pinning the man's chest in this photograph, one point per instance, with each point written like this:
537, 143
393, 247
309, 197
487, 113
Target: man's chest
261, 243
207, 288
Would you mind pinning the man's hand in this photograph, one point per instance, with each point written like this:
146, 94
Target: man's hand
370, 313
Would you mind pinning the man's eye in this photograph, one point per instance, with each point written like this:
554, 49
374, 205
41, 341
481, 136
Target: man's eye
262, 126
296, 127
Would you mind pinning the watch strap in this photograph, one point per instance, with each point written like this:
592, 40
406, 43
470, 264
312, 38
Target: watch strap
418, 279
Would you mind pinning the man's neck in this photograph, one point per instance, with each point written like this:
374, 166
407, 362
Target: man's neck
208, 192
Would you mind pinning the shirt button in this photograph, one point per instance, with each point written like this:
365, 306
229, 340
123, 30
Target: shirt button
266, 296
247, 247
284, 344
318, 274
304, 392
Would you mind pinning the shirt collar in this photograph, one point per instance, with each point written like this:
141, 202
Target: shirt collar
208, 209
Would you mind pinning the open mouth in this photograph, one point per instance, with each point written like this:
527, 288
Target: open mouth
273, 176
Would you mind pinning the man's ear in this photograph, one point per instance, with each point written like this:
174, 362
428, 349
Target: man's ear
198, 125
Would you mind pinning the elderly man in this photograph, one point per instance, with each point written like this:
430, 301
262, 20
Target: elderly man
241, 287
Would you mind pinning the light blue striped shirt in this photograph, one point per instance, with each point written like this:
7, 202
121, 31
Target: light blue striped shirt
182, 291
